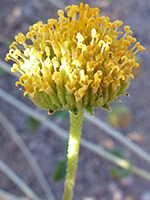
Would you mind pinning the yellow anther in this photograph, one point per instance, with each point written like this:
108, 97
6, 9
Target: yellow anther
81, 5
121, 75
60, 13
105, 23
31, 28
86, 6
14, 67
67, 7
35, 26
18, 52
129, 37
91, 65
133, 40
56, 62
137, 44
80, 37
12, 51
28, 35
84, 47
39, 24
120, 53
129, 52
18, 83
33, 33
141, 48
8, 56
136, 65
118, 23
40, 30
93, 33
132, 62
103, 45
109, 25
20, 38
110, 64
128, 71
21, 79
108, 19
98, 76
126, 28
124, 58
120, 32
12, 46
115, 67
107, 39
52, 21
126, 43
47, 50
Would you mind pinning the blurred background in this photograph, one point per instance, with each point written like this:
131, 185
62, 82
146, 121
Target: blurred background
97, 178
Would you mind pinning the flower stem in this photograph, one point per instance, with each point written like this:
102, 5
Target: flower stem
73, 151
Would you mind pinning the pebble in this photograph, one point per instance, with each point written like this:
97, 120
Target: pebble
117, 194
89, 198
127, 181
145, 195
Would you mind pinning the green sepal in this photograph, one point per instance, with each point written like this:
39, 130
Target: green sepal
125, 94
90, 110
123, 86
75, 111
106, 107
50, 111
61, 95
117, 100
41, 99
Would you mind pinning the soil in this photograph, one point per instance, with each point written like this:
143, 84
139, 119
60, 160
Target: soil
93, 180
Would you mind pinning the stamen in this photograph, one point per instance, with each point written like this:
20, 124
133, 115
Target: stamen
139, 48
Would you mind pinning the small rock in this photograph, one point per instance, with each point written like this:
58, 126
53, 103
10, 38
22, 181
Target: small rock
128, 198
117, 194
10, 146
127, 181
89, 198
145, 196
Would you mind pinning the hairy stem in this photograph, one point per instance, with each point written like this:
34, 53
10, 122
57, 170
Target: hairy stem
73, 151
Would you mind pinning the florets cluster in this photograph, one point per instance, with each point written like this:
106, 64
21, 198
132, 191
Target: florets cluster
75, 62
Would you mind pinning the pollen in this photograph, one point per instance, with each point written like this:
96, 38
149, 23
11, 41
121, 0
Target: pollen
76, 62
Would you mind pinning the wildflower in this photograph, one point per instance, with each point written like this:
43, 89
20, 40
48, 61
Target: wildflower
75, 62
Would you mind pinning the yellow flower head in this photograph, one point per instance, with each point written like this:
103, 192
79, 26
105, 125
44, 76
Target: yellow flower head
75, 62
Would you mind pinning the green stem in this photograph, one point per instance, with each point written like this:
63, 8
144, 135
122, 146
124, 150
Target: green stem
73, 151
